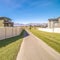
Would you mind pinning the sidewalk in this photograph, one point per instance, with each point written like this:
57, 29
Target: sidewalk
33, 48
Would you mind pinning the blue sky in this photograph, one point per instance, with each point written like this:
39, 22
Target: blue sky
30, 11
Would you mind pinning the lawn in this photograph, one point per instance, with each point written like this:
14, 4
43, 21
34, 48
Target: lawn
10, 47
52, 39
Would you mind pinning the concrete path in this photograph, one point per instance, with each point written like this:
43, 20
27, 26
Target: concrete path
33, 48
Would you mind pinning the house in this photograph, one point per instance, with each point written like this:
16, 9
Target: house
54, 23
6, 22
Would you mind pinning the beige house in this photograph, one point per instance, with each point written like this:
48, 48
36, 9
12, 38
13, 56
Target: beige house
5, 22
1, 23
54, 23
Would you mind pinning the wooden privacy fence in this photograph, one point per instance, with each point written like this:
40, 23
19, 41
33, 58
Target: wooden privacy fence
7, 32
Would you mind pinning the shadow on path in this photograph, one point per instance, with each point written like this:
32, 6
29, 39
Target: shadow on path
7, 41
25, 34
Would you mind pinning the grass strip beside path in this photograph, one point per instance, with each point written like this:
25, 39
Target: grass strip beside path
52, 39
10, 47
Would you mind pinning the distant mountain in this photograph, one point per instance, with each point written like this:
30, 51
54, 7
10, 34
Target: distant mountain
18, 24
32, 24
38, 24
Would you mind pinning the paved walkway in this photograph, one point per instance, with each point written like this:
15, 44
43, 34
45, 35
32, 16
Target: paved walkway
33, 48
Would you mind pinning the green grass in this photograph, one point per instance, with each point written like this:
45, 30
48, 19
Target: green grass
10, 47
52, 39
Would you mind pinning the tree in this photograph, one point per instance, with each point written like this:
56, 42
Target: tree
30, 27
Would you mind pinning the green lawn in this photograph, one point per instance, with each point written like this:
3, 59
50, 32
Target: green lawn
10, 47
52, 39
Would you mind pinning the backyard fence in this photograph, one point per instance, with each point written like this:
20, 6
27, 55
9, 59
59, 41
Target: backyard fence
55, 30
7, 32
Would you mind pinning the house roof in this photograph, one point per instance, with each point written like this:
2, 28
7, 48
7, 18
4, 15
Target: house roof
54, 19
5, 18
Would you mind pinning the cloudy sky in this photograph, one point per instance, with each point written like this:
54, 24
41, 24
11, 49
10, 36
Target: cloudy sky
30, 11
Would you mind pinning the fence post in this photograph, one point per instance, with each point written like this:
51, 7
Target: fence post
12, 31
16, 30
5, 32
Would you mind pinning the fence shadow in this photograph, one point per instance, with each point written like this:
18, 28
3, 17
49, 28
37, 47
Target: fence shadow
25, 34
7, 41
